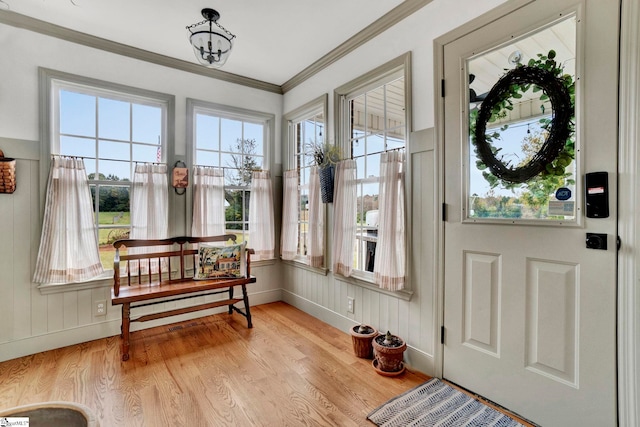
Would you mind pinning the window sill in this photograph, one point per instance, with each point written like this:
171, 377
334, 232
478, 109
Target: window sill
262, 262
366, 283
103, 281
304, 266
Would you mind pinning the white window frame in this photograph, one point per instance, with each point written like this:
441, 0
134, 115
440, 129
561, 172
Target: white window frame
195, 107
310, 110
392, 70
51, 83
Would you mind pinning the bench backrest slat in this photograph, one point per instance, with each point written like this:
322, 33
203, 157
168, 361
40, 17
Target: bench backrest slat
130, 243
159, 262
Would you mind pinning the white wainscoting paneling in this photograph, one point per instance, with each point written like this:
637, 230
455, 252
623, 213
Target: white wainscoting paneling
325, 296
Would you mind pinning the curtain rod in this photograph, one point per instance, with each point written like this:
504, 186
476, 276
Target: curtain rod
138, 162
379, 152
214, 167
103, 158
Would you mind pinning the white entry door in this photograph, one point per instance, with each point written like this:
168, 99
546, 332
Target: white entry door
530, 311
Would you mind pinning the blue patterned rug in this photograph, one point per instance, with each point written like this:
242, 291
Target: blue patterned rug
437, 404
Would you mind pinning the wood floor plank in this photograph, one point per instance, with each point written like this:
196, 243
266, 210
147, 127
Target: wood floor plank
289, 370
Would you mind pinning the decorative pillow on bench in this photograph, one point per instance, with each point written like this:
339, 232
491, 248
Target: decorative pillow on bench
221, 262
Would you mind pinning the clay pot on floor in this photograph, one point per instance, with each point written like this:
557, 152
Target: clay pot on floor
362, 336
388, 354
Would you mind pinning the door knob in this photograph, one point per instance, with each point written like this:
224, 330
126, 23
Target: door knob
596, 241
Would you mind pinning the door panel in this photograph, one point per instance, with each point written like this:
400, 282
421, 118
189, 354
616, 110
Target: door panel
551, 328
529, 310
481, 299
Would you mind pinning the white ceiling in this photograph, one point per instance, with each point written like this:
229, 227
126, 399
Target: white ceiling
275, 39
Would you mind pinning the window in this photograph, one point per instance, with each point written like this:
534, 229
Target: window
517, 130
234, 140
306, 126
111, 127
373, 119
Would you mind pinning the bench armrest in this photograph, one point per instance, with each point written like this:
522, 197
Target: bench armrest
249, 251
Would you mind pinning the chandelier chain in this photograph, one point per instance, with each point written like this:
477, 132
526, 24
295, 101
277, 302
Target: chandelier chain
197, 24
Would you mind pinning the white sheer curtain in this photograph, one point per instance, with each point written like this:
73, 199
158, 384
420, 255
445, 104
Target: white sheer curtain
390, 262
290, 209
149, 208
150, 202
315, 249
68, 245
344, 227
208, 202
261, 220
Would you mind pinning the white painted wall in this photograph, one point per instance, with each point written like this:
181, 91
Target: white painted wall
33, 322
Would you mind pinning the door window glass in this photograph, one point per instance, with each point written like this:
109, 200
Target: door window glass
519, 127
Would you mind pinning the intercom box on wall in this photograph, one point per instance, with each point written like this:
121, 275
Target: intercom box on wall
597, 194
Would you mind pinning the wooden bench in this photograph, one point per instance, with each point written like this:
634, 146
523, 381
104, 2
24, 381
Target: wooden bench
162, 276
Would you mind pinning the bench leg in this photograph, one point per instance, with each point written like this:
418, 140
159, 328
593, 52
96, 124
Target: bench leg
126, 311
230, 297
245, 297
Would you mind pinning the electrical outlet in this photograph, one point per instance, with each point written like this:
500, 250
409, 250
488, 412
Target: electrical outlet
350, 301
100, 308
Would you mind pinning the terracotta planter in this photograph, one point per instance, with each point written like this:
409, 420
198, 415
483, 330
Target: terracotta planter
362, 336
389, 352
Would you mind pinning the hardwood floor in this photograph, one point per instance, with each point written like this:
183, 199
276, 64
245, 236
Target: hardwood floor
289, 370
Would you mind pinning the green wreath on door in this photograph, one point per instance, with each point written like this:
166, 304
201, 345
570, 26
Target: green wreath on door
558, 150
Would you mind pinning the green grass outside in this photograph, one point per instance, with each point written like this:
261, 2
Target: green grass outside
106, 236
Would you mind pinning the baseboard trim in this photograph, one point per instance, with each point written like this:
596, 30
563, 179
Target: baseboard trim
37, 344
108, 328
415, 359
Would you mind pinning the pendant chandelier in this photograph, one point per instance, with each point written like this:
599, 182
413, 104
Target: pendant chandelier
211, 42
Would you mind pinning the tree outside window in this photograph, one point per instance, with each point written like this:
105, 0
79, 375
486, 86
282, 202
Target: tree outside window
235, 144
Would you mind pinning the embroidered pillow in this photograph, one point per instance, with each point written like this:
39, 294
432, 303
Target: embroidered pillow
221, 262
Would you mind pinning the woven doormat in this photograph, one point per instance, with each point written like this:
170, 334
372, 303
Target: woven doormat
435, 403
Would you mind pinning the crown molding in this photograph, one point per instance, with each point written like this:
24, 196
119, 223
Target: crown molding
397, 14
21, 21
394, 16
